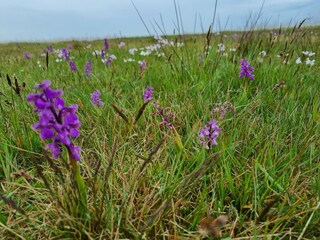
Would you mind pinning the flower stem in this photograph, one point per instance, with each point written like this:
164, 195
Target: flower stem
81, 186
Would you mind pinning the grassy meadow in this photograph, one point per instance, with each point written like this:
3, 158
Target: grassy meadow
143, 172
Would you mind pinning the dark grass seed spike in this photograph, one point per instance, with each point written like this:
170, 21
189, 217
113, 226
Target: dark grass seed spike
285, 46
259, 44
208, 39
154, 151
12, 204
9, 80
302, 22
124, 117
141, 110
17, 87
47, 60
294, 28
280, 29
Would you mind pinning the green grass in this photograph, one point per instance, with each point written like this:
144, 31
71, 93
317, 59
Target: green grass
263, 174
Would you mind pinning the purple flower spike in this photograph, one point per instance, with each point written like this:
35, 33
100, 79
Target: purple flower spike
56, 121
246, 70
50, 48
88, 68
208, 135
102, 53
147, 95
27, 55
110, 59
95, 98
106, 44
65, 53
143, 65
72, 66
164, 114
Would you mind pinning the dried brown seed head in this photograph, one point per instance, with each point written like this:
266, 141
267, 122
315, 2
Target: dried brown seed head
211, 226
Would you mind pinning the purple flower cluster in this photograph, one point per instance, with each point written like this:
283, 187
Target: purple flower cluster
110, 59
147, 95
27, 55
50, 48
88, 68
143, 65
208, 135
65, 53
164, 114
56, 121
95, 98
106, 44
222, 109
72, 66
246, 70
102, 53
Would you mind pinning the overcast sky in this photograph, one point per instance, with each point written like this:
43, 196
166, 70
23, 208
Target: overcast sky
47, 20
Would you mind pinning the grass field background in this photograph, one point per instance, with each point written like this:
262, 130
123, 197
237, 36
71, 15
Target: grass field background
149, 181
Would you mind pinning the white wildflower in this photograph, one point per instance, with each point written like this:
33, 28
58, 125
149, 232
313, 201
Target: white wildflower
121, 44
221, 47
298, 61
145, 53
305, 53
311, 54
113, 57
263, 53
132, 50
310, 62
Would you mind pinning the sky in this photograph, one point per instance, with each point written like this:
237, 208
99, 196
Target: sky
51, 20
